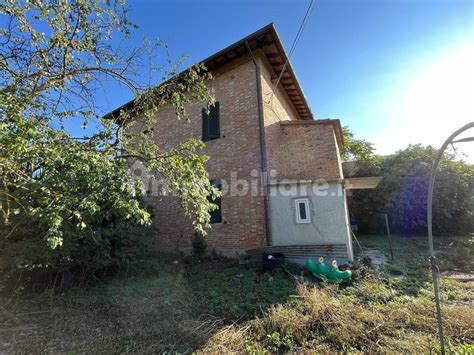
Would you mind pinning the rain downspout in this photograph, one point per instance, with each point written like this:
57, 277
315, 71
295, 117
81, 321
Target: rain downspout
263, 158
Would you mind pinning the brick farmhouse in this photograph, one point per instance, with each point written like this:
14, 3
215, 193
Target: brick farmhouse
279, 168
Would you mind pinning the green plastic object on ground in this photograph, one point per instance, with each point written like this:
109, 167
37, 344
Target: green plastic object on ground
326, 273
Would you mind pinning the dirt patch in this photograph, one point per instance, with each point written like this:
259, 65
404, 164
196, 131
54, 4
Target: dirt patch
458, 276
377, 257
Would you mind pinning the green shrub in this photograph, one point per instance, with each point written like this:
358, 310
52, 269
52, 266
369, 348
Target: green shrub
275, 340
199, 245
68, 199
402, 194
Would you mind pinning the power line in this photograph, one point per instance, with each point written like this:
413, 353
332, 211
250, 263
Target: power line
295, 43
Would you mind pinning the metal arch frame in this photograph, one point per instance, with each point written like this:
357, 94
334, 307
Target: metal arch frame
434, 266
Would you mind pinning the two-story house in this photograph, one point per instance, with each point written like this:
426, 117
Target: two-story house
279, 168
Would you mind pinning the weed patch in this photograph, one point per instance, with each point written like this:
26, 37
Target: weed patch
218, 305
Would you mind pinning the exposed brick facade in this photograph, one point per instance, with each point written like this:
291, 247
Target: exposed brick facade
236, 151
308, 151
302, 149
296, 151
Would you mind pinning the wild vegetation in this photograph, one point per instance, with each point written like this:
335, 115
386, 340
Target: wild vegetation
67, 198
402, 194
221, 305
69, 204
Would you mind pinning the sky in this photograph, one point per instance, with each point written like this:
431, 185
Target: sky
397, 72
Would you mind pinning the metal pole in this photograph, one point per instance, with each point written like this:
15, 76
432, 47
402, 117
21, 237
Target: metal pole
434, 266
389, 236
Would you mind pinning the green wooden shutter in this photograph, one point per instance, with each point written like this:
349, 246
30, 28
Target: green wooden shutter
216, 215
211, 123
205, 126
214, 129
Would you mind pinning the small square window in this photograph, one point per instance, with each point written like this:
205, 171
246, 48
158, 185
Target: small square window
302, 211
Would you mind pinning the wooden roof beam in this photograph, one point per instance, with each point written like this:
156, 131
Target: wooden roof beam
273, 55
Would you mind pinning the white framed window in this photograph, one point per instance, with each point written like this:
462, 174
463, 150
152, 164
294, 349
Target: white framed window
302, 211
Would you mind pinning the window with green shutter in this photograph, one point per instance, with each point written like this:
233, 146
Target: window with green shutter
210, 123
216, 215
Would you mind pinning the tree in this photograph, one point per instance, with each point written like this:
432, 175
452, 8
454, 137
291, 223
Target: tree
356, 149
402, 194
68, 200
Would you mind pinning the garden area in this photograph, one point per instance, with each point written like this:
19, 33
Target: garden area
217, 304
77, 269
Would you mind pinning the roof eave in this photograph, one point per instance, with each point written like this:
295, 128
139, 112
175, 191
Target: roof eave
299, 103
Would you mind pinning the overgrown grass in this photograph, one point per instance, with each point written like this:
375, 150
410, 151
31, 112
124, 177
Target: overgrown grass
159, 306
217, 305
453, 253
390, 309
328, 320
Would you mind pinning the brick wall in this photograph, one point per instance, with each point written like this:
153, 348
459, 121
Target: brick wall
237, 151
302, 150
309, 151
276, 108
298, 151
